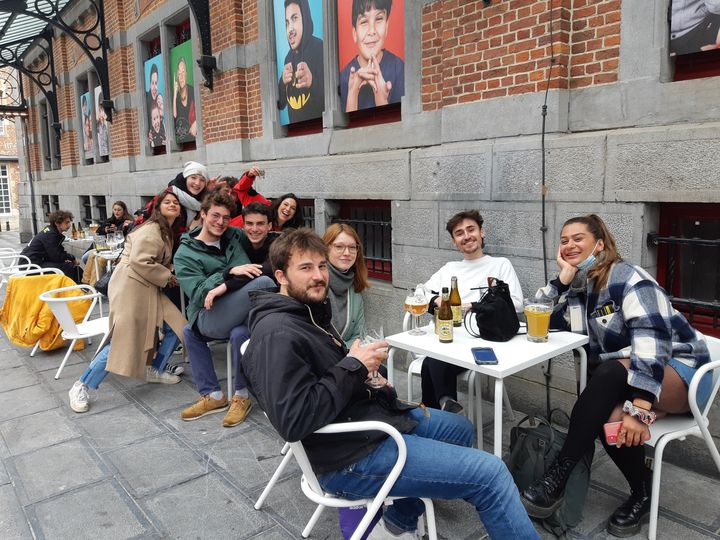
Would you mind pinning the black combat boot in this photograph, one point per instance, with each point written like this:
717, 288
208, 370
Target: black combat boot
543, 497
630, 515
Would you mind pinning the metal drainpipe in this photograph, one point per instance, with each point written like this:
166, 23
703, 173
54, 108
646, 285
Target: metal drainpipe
30, 176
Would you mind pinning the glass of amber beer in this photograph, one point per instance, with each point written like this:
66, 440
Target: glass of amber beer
537, 314
416, 303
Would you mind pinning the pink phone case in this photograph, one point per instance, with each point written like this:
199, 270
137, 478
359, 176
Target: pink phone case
611, 432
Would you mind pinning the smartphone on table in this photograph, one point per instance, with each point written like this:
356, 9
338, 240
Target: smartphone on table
484, 356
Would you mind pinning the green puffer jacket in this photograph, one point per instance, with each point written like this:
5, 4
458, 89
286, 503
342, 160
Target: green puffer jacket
199, 267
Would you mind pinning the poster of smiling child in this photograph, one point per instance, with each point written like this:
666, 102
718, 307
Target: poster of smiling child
371, 53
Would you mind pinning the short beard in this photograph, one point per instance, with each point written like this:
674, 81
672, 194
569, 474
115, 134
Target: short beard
302, 295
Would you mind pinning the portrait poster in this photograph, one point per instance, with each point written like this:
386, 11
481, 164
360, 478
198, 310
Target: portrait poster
101, 124
86, 125
183, 93
694, 26
371, 54
299, 47
155, 101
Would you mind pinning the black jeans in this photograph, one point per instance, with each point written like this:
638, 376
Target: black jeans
438, 379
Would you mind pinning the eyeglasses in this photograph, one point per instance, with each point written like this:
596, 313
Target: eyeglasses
340, 248
219, 217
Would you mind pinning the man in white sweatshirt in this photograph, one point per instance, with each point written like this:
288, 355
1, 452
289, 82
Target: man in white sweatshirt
439, 380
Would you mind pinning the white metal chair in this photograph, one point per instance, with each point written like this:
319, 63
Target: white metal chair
70, 329
313, 491
678, 427
12, 264
474, 405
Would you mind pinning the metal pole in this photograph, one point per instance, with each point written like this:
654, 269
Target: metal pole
30, 176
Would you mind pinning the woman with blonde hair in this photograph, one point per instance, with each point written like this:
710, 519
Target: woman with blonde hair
642, 357
348, 278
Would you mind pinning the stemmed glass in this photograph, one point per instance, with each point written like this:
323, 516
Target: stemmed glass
372, 336
416, 303
119, 238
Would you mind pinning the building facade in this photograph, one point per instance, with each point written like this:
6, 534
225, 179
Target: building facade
625, 137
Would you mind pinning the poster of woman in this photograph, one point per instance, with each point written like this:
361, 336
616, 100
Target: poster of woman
86, 125
183, 96
694, 26
155, 101
371, 53
101, 123
299, 46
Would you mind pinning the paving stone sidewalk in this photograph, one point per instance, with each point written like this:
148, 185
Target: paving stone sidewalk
130, 468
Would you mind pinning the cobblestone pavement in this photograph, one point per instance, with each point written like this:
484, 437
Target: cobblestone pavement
130, 468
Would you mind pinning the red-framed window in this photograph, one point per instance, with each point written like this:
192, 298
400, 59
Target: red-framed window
697, 65
373, 222
689, 268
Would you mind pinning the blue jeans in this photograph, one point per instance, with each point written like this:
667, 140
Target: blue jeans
440, 465
96, 371
201, 360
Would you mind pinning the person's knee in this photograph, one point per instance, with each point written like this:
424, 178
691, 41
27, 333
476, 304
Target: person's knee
609, 372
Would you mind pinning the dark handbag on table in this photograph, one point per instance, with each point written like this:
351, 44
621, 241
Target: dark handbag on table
102, 284
494, 314
534, 445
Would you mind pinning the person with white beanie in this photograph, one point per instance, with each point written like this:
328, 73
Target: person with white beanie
190, 188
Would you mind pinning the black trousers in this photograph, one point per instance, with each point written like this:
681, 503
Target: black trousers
438, 379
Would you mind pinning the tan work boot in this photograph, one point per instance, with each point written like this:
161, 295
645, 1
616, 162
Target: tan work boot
239, 409
204, 405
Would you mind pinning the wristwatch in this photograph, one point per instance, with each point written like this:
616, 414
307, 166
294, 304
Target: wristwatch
646, 417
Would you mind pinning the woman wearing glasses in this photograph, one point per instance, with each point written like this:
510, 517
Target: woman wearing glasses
348, 278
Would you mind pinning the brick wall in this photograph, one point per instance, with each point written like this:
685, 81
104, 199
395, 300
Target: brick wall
472, 52
121, 70
236, 95
124, 134
233, 22
69, 152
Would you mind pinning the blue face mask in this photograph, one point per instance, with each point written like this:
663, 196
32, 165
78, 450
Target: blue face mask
587, 263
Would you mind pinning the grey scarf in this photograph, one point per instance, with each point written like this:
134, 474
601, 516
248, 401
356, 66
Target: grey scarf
340, 284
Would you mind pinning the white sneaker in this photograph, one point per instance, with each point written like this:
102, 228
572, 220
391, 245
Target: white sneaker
380, 532
79, 399
152, 375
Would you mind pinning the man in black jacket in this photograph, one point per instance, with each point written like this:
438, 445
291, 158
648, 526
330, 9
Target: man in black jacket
46, 248
304, 378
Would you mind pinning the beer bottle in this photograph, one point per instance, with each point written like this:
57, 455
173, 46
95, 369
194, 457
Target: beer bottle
81, 232
455, 302
73, 234
445, 318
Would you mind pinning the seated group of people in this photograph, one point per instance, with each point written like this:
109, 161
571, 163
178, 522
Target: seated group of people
298, 296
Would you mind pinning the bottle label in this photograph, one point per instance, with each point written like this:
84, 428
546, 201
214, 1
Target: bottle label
457, 315
445, 330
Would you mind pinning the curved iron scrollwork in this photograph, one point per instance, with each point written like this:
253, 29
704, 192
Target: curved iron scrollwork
207, 62
91, 38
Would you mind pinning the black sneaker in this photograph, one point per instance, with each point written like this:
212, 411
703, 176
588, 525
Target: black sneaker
175, 369
451, 405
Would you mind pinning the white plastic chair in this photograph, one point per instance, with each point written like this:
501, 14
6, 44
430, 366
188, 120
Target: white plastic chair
678, 427
313, 491
12, 264
474, 405
70, 329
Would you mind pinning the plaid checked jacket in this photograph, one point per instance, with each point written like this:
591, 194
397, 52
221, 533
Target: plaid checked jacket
631, 317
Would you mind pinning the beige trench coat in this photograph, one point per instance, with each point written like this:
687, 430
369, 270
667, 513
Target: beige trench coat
137, 305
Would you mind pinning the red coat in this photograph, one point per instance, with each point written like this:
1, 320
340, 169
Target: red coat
246, 194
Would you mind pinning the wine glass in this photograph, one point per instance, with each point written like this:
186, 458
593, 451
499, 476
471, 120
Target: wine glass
372, 336
110, 242
416, 303
119, 238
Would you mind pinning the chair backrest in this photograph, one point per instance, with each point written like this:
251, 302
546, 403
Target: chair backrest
12, 259
406, 321
244, 346
35, 270
713, 344
307, 470
59, 305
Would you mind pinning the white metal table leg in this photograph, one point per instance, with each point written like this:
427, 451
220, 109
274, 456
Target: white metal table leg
497, 435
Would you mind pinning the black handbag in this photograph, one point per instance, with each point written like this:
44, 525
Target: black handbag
102, 284
534, 445
494, 314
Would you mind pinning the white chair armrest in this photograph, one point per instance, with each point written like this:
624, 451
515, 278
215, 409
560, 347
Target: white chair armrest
406, 321
49, 296
692, 391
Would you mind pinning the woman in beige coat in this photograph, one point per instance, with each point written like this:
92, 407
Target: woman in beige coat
138, 307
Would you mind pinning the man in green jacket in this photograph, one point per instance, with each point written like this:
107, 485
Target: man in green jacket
214, 312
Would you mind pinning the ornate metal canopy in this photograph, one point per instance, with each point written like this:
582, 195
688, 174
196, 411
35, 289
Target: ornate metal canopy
26, 24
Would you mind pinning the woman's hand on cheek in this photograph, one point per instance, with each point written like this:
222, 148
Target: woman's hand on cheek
567, 270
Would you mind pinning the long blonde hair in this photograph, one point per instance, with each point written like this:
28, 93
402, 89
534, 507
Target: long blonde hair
360, 281
600, 271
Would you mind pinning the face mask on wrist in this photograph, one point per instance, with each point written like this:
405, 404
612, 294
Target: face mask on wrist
587, 263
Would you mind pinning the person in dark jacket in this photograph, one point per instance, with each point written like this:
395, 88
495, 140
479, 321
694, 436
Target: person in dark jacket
304, 377
301, 86
46, 248
120, 219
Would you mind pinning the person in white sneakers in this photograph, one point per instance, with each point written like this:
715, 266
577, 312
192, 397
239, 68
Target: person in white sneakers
138, 308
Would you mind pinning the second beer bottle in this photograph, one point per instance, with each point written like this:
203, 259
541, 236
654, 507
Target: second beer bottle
445, 318
455, 302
